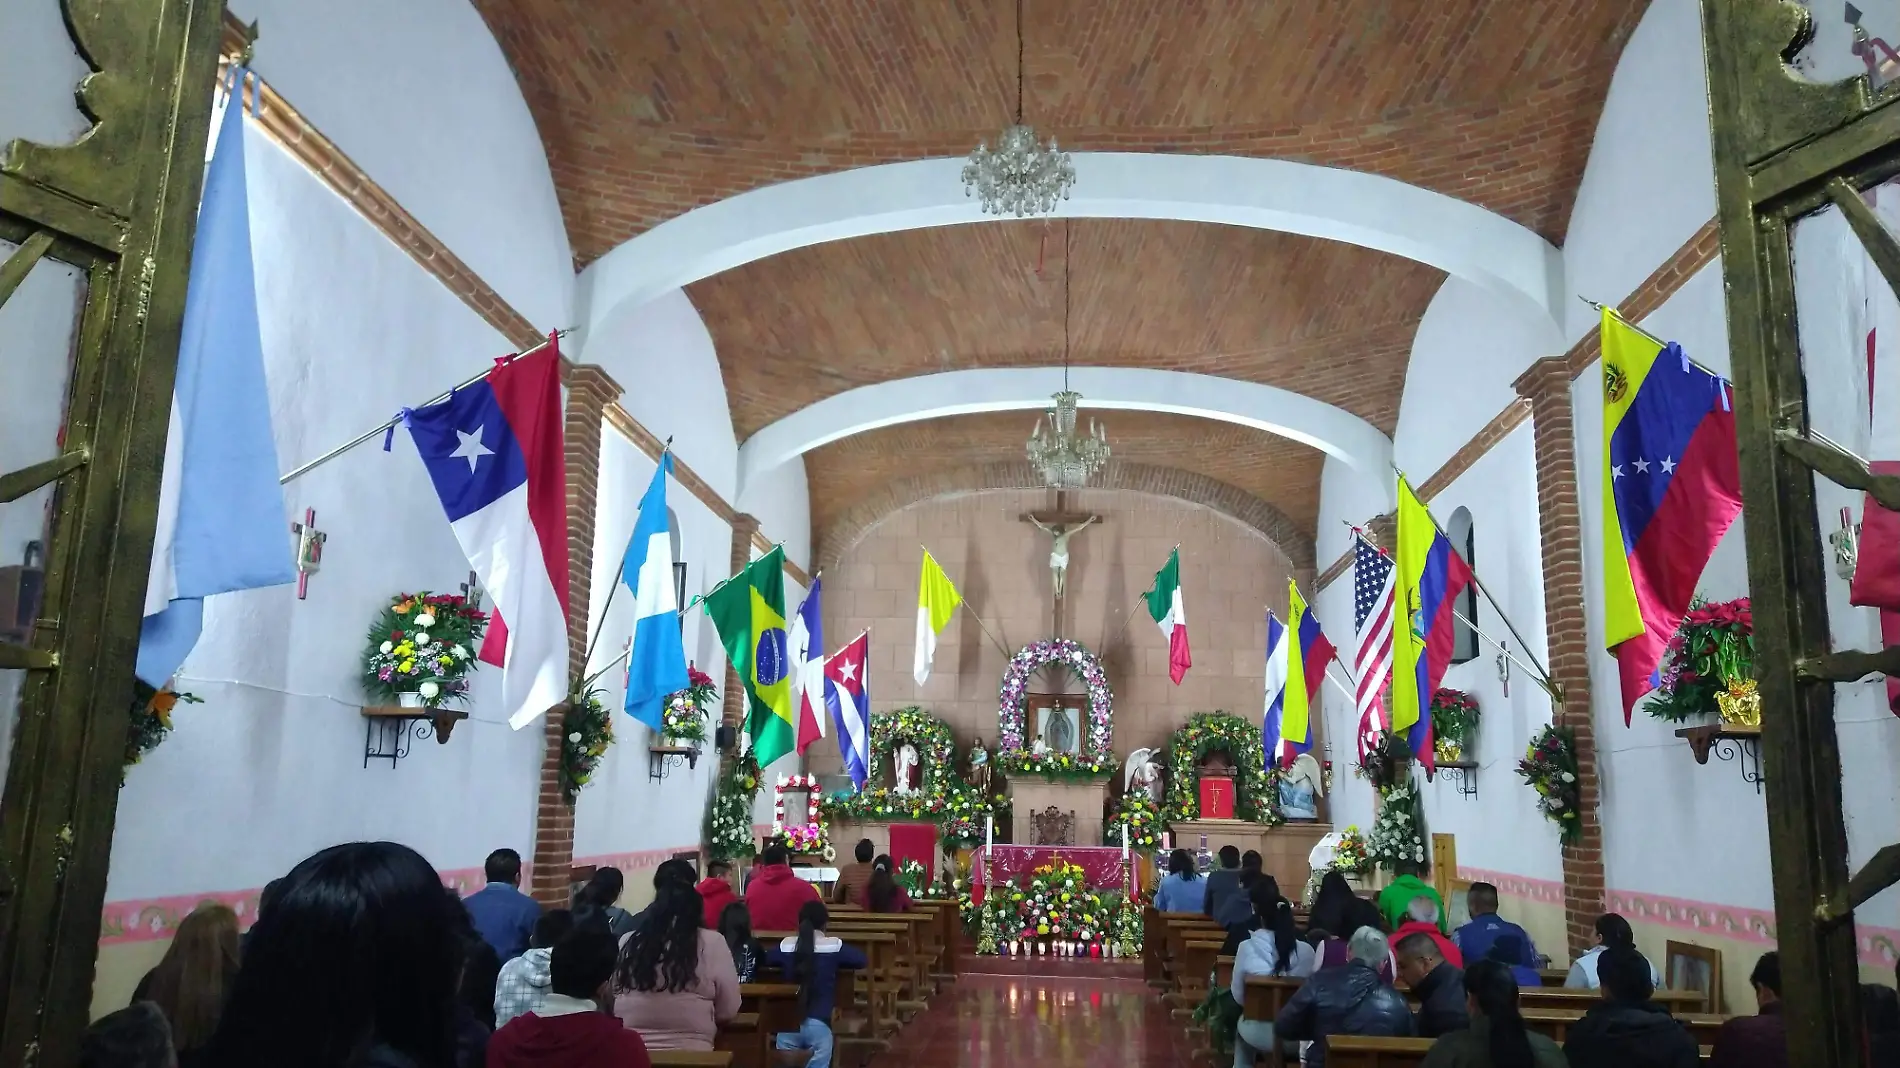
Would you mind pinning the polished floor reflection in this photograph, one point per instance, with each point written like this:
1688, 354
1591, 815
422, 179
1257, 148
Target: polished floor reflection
1080, 1019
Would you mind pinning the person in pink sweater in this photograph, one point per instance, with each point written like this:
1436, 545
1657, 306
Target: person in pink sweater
675, 983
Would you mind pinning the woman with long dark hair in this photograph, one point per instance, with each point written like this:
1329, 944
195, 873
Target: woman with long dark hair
812, 959
191, 982
1330, 904
602, 892
1274, 949
676, 982
881, 892
1182, 889
1497, 1037
735, 926
354, 965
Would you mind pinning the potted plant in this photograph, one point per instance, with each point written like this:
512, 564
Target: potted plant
1708, 668
686, 712
422, 649
1454, 724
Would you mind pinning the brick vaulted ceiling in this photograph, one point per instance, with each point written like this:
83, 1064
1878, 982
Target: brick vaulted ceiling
651, 108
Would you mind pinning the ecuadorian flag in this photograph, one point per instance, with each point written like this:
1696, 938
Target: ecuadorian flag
748, 610
1306, 658
1430, 578
1671, 487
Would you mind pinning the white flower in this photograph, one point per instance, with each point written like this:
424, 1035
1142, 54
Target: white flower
388, 647
422, 638
1569, 777
429, 690
460, 652
425, 620
575, 737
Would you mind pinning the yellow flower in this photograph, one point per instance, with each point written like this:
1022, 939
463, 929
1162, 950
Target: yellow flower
406, 666
405, 649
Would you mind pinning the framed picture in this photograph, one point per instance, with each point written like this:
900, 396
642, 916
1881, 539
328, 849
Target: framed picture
1687, 966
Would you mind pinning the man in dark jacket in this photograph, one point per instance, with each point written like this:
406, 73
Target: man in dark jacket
1761, 1040
503, 915
1440, 988
1224, 883
1626, 1029
1349, 999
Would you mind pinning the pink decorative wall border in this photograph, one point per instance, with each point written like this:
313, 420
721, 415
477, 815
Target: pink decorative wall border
1879, 946
1542, 891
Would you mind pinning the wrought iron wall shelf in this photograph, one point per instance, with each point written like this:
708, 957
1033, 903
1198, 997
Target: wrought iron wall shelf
1463, 772
1728, 742
388, 730
661, 759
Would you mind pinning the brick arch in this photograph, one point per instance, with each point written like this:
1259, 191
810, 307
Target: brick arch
1234, 503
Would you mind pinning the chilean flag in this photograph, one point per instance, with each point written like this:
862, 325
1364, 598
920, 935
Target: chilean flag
848, 694
495, 453
808, 668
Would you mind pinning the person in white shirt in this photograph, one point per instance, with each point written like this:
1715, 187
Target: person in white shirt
1612, 930
1275, 949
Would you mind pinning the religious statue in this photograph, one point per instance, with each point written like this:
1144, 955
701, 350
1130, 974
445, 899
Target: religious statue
1059, 725
1144, 775
1041, 747
980, 768
906, 769
1300, 789
1059, 552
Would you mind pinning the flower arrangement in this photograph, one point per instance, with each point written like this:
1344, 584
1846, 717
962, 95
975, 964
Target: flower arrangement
150, 721
587, 730
1066, 767
1256, 798
684, 716
1387, 757
1053, 906
1139, 813
1454, 721
807, 836
729, 820
424, 645
910, 875
958, 811
1073, 655
1398, 834
1550, 767
1711, 656
1352, 855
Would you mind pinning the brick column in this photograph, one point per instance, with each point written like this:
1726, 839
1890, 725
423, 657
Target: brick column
589, 392
743, 527
1560, 527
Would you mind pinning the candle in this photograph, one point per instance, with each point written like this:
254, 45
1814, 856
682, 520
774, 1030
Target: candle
1124, 842
989, 832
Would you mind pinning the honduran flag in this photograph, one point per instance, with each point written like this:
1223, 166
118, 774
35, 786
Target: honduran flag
1430, 578
848, 695
656, 661
1671, 487
1308, 652
494, 451
807, 639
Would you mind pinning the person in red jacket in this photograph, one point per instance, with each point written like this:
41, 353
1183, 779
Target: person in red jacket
569, 1030
776, 895
1422, 917
715, 890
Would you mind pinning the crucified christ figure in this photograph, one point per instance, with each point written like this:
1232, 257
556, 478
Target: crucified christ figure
1059, 552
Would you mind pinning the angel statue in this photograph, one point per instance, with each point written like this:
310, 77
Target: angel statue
906, 769
1144, 774
980, 768
1300, 789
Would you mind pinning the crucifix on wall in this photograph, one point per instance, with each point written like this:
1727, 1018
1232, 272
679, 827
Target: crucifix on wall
1060, 524
309, 550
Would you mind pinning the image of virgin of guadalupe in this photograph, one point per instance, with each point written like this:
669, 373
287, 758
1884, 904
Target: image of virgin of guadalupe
1060, 728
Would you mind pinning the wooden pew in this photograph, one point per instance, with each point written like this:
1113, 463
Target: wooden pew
776, 1005
949, 937
1266, 996
1354, 1051
1154, 937
1194, 964
689, 1058
1544, 997
914, 961
1223, 971
1553, 976
879, 981
1556, 1023
745, 1040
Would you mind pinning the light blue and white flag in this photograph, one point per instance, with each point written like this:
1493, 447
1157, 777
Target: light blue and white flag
221, 520
1277, 668
656, 664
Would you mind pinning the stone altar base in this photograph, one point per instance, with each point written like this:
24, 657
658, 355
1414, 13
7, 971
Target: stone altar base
1283, 849
1030, 796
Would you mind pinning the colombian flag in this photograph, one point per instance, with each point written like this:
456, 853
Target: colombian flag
1306, 659
1671, 487
1430, 578
748, 610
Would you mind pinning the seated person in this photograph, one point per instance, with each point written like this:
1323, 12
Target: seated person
1182, 889
882, 894
523, 982
855, 876
1347, 1000
1238, 906
1438, 984
715, 892
1497, 1037
1611, 931
1394, 899
1474, 939
1243, 927
1223, 882
775, 894
137, 1036
568, 1030
735, 926
812, 958
1506, 950
1275, 949
1761, 1040
676, 983
1626, 1029
1421, 916
1360, 915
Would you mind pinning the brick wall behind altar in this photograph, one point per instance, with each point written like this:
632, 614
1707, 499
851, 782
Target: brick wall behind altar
1229, 574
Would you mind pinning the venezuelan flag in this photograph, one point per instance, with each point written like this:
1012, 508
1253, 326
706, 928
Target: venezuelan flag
1306, 659
1671, 487
1430, 578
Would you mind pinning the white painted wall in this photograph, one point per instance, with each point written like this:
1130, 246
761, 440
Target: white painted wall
38, 79
460, 152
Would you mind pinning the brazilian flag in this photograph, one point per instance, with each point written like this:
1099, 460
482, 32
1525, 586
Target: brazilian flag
748, 610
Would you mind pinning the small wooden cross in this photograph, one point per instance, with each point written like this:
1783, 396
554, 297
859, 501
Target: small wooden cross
309, 550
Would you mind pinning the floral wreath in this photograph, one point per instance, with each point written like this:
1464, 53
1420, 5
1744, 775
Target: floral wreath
1010, 714
1256, 799
587, 729
810, 836
937, 748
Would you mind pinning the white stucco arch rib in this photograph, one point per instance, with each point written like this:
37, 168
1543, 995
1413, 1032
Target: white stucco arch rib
1332, 430
1375, 212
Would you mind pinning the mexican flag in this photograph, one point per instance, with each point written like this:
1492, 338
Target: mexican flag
1164, 604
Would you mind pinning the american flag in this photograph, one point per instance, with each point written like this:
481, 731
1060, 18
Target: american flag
1372, 582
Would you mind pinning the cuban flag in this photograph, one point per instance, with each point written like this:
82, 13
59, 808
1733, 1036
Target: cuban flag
656, 661
808, 668
848, 694
1277, 668
221, 523
494, 451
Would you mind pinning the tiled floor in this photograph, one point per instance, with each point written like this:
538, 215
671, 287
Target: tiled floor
1051, 1021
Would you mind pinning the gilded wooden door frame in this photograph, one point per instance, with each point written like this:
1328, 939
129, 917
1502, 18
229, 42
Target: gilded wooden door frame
1785, 147
121, 204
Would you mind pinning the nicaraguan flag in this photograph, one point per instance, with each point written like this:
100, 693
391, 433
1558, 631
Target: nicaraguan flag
494, 451
848, 695
1277, 667
221, 522
808, 668
656, 663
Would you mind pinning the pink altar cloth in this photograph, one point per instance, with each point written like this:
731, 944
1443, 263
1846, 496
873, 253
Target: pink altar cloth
1101, 865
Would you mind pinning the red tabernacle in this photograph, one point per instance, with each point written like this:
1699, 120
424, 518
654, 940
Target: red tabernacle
1217, 798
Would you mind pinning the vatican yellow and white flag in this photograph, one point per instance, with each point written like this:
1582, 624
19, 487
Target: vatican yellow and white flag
937, 599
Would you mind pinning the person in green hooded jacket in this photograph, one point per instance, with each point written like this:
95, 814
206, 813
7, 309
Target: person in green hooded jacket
1394, 898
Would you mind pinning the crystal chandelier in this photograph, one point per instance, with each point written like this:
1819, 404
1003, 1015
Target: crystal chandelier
1066, 458
1021, 176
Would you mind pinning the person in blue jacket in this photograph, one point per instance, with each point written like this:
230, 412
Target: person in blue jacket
1182, 889
812, 959
503, 915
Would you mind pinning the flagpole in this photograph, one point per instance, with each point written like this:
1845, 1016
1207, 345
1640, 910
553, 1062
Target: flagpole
665, 450
972, 611
299, 472
1127, 617
1652, 337
1495, 644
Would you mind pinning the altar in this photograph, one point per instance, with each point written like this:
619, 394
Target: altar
999, 864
